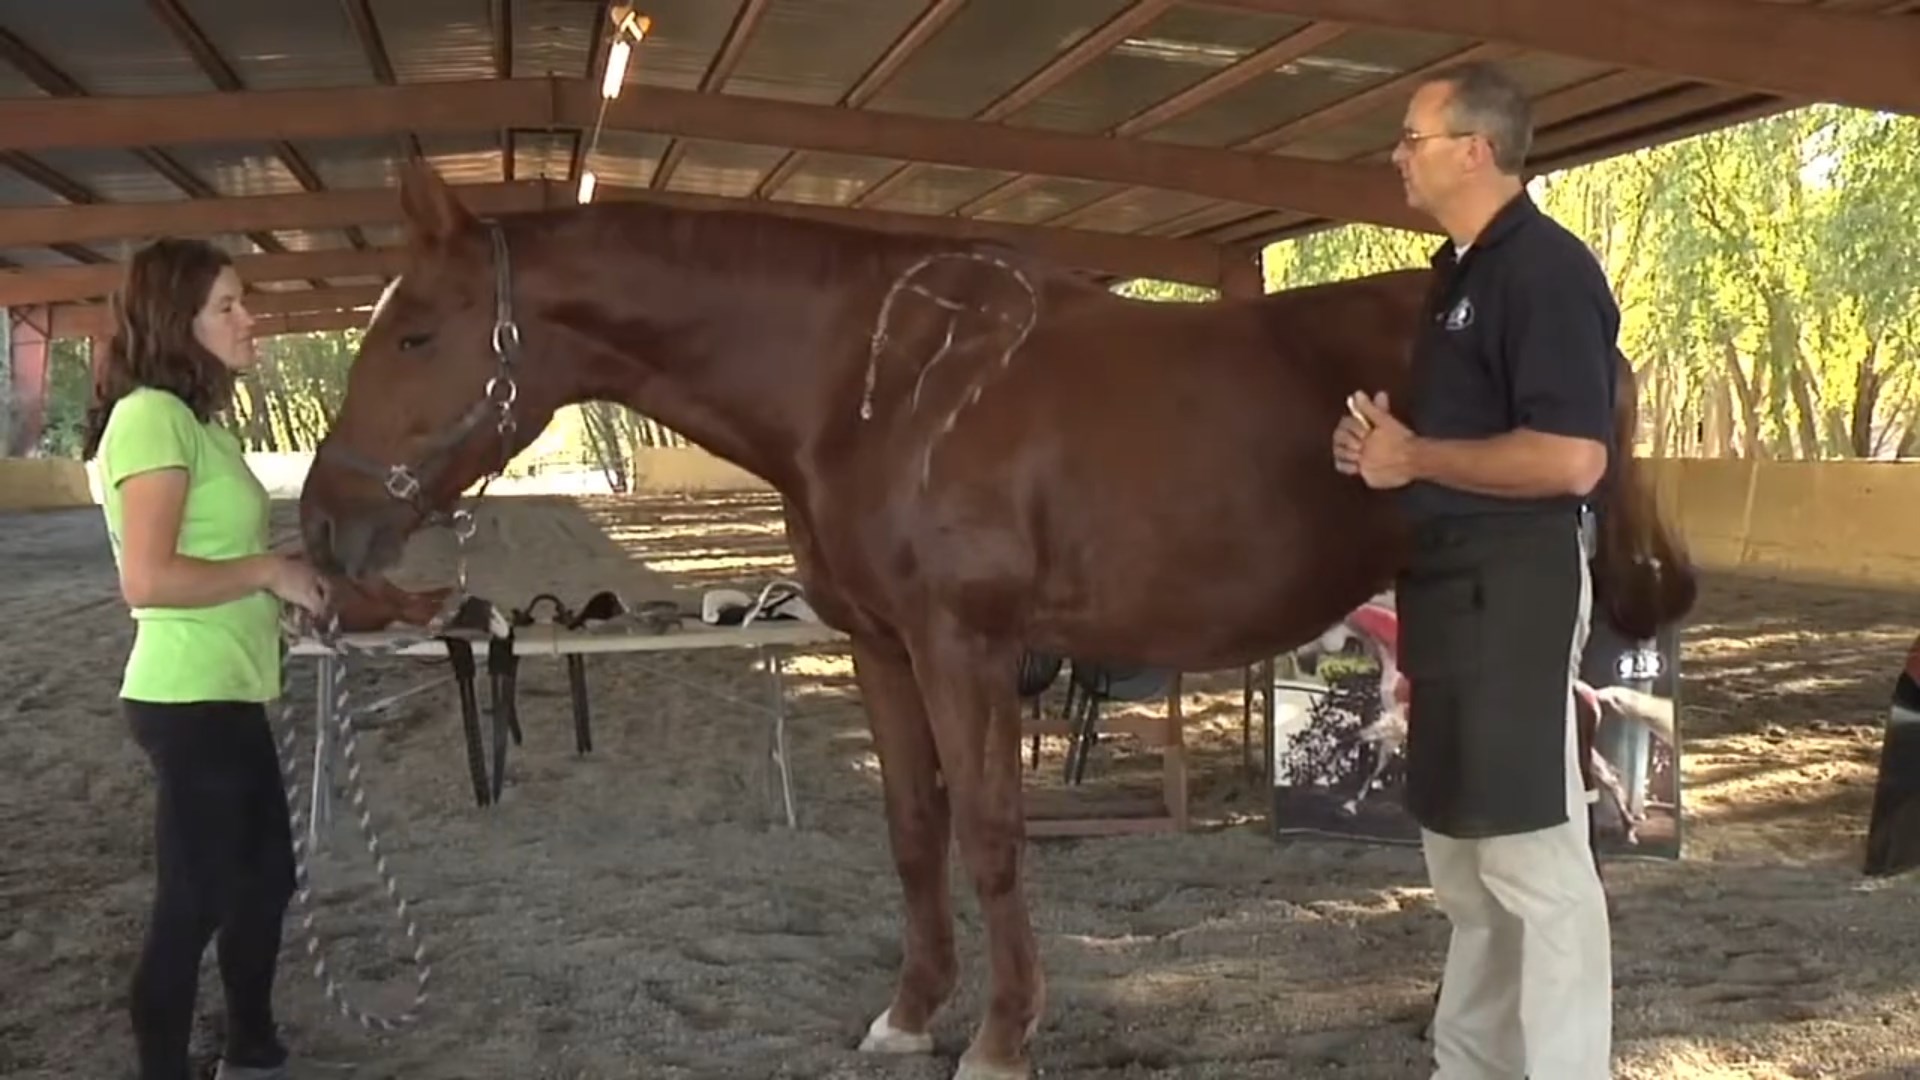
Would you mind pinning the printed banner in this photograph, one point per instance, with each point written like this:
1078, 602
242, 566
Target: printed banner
1337, 728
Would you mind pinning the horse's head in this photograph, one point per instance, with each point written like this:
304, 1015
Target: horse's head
440, 394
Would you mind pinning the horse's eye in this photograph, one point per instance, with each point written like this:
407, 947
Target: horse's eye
414, 341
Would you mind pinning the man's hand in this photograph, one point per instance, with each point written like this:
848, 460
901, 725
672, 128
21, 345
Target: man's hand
1386, 458
1348, 437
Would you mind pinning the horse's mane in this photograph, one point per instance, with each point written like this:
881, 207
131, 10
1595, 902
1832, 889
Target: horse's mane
750, 244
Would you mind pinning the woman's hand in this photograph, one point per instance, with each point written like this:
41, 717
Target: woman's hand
290, 578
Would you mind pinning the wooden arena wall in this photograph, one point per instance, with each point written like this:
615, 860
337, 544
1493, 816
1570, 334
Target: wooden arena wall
1832, 522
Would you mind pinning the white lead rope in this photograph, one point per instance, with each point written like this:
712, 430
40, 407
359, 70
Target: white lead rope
349, 742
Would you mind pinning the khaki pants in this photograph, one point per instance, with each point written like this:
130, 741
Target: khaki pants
1528, 985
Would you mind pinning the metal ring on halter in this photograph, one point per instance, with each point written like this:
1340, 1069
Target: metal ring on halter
506, 338
401, 483
493, 390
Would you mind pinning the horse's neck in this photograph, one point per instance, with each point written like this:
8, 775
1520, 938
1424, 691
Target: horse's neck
745, 360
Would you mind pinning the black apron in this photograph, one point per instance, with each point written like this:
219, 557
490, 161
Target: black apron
1487, 611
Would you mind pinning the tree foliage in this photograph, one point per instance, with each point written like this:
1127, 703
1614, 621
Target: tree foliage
1765, 274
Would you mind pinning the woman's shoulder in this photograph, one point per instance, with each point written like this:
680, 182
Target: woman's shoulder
148, 427
148, 408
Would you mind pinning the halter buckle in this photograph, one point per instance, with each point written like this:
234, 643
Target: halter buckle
401, 483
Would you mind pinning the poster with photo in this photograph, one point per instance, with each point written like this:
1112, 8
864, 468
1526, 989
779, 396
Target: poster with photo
1337, 731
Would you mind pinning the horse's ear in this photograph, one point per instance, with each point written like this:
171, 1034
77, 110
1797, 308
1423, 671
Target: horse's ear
433, 215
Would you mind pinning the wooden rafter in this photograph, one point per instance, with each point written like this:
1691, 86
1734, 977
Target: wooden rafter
745, 21
1092, 46
65, 284
928, 24
1221, 83
1364, 193
221, 73
1129, 255
366, 29
1785, 49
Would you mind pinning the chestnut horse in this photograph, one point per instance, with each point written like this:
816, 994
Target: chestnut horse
1012, 457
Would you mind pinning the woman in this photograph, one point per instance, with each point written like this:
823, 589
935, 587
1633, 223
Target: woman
187, 521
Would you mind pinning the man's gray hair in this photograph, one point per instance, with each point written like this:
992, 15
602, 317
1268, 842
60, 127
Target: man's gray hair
1487, 101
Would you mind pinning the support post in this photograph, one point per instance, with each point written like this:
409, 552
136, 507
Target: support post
29, 335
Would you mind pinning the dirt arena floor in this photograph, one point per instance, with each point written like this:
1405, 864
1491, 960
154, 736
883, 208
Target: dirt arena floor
644, 912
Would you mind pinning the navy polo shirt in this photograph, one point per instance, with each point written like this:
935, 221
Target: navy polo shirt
1521, 331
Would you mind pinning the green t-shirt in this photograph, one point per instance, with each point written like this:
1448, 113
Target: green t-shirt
227, 652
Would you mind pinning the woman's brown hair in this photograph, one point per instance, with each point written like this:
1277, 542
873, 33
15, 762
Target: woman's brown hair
153, 344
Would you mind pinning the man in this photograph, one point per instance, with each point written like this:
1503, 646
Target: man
1510, 426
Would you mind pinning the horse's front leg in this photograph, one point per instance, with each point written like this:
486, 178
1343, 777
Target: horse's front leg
917, 823
968, 682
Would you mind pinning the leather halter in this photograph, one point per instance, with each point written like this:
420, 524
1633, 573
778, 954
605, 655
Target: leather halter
406, 481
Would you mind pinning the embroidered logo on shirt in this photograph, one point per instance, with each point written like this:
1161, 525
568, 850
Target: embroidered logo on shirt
1461, 316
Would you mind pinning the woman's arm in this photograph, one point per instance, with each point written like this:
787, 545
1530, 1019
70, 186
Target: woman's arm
152, 571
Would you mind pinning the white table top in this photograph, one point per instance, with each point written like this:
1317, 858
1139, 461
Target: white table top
549, 639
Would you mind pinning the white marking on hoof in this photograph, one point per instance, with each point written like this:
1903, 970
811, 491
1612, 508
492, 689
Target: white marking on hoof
884, 1038
973, 1070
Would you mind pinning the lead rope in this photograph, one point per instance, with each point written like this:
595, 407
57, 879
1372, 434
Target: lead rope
329, 636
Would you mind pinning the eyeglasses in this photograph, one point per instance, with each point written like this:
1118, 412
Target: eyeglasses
1410, 138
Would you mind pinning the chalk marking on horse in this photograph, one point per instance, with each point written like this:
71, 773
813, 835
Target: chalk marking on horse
972, 393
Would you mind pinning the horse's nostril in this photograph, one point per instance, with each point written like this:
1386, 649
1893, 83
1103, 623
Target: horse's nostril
317, 529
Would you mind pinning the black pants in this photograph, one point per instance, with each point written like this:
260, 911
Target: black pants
224, 851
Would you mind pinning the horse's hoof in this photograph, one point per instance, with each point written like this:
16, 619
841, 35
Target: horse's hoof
974, 1070
884, 1038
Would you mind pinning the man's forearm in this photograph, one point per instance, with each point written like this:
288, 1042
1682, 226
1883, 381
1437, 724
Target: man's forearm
1518, 464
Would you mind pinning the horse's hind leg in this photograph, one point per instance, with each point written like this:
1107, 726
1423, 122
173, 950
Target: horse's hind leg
917, 822
969, 686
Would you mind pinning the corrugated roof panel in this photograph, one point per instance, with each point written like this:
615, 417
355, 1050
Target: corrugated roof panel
1141, 208
940, 189
833, 179
1181, 48
108, 47
1342, 68
543, 155
438, 40
471, 158
627, 158
15, 84
550, 37
685, 37
1046, 200
17, 190
311, 239
349, 164
35, 258
237, 168
233, 243
722, 168
390, 235
114, 175
990, 47
815, 50
283, 46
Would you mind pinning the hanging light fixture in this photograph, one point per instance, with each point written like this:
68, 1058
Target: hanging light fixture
629, 29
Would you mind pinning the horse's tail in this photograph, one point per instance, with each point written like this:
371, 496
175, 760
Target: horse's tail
1643, 578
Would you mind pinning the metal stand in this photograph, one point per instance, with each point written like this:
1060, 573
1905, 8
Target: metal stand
320, 810
774, 667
